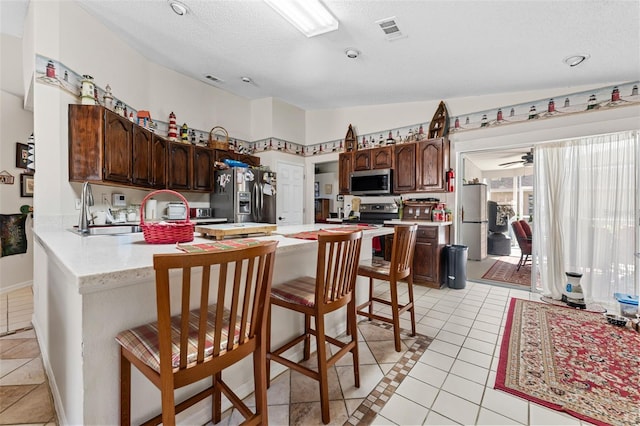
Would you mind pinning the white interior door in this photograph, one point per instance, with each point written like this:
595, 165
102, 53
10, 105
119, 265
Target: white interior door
290, 197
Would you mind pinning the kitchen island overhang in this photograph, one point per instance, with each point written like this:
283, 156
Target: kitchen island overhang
90, 288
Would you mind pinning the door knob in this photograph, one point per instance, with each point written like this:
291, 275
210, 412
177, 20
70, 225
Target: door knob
280, 218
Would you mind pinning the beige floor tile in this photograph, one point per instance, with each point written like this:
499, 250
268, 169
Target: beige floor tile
31, 373
8, 365
11, 394
27, 348
35, 407
310, 414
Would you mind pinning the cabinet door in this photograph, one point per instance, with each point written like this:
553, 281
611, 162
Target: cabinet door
159, 162
202, 168
86, 143
345, 167
425, 262
142, 158
431, 168
179, 165
362, 160
382, 158
117, 148
404, 179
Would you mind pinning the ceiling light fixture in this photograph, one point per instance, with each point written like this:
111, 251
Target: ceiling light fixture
310, 17
246, 79
352, 53
575, 60
179, 8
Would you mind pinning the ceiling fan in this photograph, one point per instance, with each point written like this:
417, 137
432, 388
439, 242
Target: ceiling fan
526, 160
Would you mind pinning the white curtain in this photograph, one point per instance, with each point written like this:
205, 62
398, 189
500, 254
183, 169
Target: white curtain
586, 214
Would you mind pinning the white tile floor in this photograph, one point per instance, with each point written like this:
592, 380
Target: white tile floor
453, 381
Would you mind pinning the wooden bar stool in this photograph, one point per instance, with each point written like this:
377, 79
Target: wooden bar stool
400, 267
331, 289
199, 343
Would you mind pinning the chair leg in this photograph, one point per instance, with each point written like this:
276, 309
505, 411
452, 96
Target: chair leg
216, 399
395, 315
260, 381
412, 310
268, 348
322, 369
307, 337
168, 405
520, 262
352, 325
370, 297
125, 390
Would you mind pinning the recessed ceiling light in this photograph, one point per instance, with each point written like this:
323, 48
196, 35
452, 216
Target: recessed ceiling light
352, 53
179, 8
246, 79
575, 60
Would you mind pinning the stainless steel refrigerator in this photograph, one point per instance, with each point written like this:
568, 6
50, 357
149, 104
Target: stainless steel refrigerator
244, 195
474, 220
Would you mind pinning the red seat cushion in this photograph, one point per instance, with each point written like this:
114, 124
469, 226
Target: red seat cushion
301, 291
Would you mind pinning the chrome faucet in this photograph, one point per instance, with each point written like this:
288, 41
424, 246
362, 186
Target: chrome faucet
86, 200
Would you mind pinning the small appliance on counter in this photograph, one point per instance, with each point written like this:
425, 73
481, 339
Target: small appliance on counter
176, 211
200, 212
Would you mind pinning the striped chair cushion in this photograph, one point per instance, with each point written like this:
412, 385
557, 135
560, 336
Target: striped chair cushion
143, 341
377, 266
301, 291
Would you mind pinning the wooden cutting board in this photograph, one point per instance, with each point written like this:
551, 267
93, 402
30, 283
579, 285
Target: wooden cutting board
232, 229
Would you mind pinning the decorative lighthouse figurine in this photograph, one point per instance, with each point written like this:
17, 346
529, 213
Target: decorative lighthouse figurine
87, 88
108, 98
173, 128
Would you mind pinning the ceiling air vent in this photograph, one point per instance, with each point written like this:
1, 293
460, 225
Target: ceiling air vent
390, 28
213, 78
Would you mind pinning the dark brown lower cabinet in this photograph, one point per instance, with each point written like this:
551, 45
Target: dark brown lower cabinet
427, 258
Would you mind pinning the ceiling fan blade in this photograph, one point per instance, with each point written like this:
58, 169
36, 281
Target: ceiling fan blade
510, 163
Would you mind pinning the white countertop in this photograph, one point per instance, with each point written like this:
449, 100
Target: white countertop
101, 261
419, 222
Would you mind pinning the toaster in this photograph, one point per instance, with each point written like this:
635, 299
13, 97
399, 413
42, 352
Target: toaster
176, 210
200, 212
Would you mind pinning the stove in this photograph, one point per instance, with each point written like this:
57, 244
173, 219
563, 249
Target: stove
375, 214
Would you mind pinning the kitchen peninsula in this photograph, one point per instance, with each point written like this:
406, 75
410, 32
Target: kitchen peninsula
97, 286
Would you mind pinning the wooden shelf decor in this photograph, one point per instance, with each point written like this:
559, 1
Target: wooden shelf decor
350, 140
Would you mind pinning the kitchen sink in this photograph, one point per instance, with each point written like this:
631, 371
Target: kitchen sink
109, 230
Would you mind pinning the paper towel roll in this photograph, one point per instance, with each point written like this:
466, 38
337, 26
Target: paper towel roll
150, 209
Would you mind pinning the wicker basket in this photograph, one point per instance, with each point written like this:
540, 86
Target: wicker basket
215, 143
166, 233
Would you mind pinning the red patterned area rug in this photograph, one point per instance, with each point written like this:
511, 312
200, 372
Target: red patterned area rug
572, 361
505, 270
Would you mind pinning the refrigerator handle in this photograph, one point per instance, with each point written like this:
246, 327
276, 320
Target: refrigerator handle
254, 202
261, 203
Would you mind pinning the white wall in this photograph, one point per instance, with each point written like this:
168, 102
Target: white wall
16, 124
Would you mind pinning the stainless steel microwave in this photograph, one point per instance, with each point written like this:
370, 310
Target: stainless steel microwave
372, 182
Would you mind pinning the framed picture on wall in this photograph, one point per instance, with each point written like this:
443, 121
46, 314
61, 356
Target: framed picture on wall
316, 188
22, 155
26, 185
328, 188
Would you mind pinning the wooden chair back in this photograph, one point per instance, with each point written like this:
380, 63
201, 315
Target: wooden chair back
337, 267
243, 280
200, 342
404, 243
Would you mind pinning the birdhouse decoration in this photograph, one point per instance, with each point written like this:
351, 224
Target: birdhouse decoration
350, 140
144, 118
87, 91
173, 128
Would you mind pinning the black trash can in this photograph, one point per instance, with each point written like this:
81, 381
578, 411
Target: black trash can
456, 268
